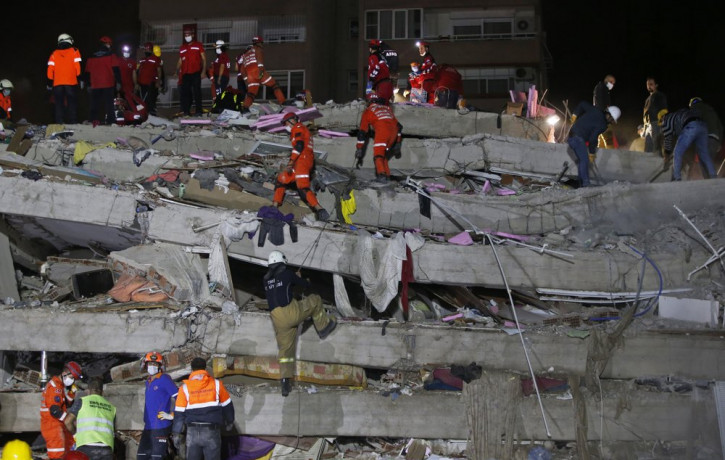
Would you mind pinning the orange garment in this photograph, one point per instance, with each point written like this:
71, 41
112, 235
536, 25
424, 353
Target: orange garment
301, 163
64, 66
202, 398
256, 75
380, 118
58, 439
6, 106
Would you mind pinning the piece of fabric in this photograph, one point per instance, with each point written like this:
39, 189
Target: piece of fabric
82, 149
125, 286
149, 292
406, 277
380, 283
272, 227
348, 207
342, 301
236, 225
463, 239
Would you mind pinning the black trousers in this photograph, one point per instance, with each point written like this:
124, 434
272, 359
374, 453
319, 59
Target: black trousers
102, 102
66, 103
154, 444
191, 89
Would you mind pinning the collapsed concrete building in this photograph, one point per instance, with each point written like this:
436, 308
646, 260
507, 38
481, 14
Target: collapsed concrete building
592, 315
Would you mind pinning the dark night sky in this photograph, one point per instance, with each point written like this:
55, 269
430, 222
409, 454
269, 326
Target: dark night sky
683, 47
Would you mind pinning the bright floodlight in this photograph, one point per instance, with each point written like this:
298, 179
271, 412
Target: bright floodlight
553, 119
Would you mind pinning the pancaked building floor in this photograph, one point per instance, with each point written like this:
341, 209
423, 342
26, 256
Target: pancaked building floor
487, 308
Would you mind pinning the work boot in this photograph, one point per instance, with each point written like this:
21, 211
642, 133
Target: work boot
381, 179
327, 330
286, 387
322, 214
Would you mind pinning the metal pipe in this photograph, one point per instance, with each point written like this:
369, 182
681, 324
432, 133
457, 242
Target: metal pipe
43, 368
712, 248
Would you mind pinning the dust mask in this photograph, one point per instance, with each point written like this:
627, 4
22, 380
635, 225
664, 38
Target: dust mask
288, 129
152, 369
126, 55
218, 51
610, 85
415, 69
68, 381
187, 38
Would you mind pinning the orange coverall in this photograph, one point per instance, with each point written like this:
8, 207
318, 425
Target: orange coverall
253, 62
58, 439
380, 118
301, 162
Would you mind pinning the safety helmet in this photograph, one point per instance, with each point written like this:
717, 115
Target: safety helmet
65, 38
17, 450
126, 49
257, 39
6, 84
157, 51
106, 40
276, 257
694, 101
615, 112
426, 44
374, 44
414, 64
74, 368
148, 47
661, 115
75, 455
219, 44
153, 357
287, 117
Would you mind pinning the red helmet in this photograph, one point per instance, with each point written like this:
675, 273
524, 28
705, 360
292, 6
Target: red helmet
374, 44
106, 40
75, 455
148, 47
426, 44
290, 116
257, 39
74, 368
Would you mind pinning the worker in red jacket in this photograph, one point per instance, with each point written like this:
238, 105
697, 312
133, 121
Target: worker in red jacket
64, 70
379, 72
191, 63
253, 62
58, 395
379, 117
220, 68
127, 67
148, 77
299, 167
428, 70
105, 76
6, 104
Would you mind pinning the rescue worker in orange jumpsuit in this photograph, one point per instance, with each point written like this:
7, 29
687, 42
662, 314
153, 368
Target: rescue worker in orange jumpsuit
253, 62
379, 72
6, 104
58, 395
192, 61
220, 68
428, 70
205, 407
64, 70
148, 77
127, 66
300, 166
379, 117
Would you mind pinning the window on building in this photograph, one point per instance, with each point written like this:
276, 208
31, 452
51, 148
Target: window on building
389, 24
212, 37
498, 28
352, 81
290, 81
492, 82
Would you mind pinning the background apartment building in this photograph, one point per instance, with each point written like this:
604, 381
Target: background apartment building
321, 45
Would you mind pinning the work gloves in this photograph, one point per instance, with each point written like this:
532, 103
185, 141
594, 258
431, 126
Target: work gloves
164, 416
56, 411
359, 155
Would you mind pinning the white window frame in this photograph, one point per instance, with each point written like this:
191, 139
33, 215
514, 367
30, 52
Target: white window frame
393, 35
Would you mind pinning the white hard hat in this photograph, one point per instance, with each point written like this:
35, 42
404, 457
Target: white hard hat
276, 257
65, 38
219, 43
614, 112
6, 84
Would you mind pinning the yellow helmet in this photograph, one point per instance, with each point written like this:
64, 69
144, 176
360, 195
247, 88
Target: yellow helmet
17, 450
157, 51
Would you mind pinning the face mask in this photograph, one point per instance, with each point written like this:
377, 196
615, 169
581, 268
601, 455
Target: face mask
152, 369
127, 55
68, 381
415, 69
187, 38
218, 51
288, 129
6, 92
610, 85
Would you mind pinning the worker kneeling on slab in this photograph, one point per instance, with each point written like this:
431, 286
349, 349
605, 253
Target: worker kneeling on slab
287, 313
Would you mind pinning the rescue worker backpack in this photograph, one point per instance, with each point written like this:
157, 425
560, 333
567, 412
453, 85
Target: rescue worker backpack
391, 57
229, 99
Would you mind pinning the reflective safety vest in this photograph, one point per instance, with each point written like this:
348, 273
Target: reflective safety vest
95, 421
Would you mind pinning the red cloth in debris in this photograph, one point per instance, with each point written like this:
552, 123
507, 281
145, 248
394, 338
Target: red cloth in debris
406, 276
544, 383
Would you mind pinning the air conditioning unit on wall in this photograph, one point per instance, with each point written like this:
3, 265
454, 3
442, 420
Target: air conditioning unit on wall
525, 74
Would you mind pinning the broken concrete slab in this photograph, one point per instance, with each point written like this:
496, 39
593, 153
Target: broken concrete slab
703, 312
8, 281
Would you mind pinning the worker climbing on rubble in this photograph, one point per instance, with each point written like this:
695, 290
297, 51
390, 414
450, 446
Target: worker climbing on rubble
299, 167
6, 105
256, 74
17, 450
64, 70
92, 420
191, 63
158, 409
681, 129
589, 123
58, 394
287, 313
148, 77
712, 121
204, 407
379, 118
428, 70
378, 72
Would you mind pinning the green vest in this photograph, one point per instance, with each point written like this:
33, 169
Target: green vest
95, 421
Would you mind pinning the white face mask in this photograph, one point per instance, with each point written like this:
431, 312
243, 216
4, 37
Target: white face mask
152, 369
68, 381
610, 85
218, 51
187, 38
288, 128
415, 69
126, 55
